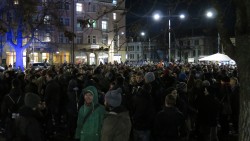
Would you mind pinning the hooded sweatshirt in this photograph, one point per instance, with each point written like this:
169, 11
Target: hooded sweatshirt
91, 129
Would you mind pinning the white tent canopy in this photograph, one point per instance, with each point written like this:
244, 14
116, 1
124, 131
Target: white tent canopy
216, 57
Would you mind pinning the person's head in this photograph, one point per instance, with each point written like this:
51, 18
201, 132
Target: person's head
149, 77
90, 95
182, 87
170, 100
172, 91
49, 75
16, 83
233, 81
32, 100
113, 98
139, 77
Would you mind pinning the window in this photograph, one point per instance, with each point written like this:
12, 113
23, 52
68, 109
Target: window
188, 43
105, 39
138, 56
193, 53
89, 39
79, 7
94, 39
66, 21
196, 42
47, 19
138, 48
114, 16
93, 8
63, 5
61, 36
181, 43
104, 25
131, 56
79, 39
47, 37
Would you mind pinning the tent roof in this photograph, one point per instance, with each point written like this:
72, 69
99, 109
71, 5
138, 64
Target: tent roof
216, 57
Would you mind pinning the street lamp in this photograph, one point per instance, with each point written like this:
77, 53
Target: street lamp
149, 48
157, 17
210, 15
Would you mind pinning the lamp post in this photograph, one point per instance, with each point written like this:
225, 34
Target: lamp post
149, 48
157, 17
210, 14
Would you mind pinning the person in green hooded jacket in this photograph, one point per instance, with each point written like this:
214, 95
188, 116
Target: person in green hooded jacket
90, 130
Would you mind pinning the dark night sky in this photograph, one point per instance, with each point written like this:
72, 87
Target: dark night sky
140, 13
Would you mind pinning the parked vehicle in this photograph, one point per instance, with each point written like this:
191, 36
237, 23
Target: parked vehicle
39, 65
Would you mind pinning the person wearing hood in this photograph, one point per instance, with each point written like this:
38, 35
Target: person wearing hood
117, 123
90, 117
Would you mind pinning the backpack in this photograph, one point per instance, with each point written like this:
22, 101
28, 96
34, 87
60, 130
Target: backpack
13, 109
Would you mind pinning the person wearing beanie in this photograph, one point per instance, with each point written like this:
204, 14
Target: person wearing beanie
117, 123
149, 77
90, 129
114, 98
29, 125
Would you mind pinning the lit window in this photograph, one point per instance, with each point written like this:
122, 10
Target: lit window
47, 37
114, 16
47, 19
104, 25
79, 7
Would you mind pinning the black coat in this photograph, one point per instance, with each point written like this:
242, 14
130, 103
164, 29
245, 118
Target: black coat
12, 102
28, 125
143, 110
208, 110
167, 124
52, 96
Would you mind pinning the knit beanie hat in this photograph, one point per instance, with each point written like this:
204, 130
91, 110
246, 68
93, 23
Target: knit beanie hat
114, 97
181, 86
31, 100
149, 77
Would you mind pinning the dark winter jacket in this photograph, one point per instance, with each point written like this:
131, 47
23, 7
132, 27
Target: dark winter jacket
28, 125
143, 110
167, 124
208, 110
116, 125
52, 96
12, 102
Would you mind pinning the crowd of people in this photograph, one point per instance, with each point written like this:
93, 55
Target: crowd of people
117, 102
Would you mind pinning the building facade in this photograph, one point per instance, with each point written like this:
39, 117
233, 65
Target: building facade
99, 34
190, 49
141, 51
